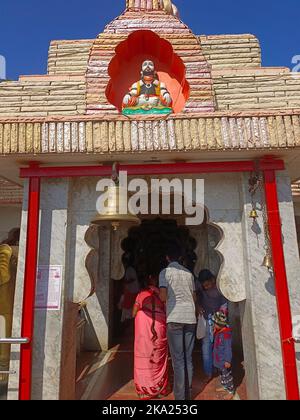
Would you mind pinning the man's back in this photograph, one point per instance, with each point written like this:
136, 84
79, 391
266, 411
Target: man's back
180, 286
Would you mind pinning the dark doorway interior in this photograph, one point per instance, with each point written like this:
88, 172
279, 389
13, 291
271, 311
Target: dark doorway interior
148, 244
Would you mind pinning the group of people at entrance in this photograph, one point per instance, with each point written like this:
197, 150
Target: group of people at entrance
166, 313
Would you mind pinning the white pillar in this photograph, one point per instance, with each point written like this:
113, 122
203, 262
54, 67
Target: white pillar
260, 328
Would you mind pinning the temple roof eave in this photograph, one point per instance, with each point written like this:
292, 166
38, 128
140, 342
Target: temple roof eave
110, 134
179, 116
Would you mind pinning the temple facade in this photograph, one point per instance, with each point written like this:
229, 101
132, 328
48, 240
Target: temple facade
150, 97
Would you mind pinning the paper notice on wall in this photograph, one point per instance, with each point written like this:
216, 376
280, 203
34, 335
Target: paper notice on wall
48, 287
296, 328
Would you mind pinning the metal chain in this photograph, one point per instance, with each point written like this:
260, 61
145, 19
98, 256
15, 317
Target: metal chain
265, 215
256, 183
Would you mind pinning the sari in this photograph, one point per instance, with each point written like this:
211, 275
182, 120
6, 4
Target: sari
150, 346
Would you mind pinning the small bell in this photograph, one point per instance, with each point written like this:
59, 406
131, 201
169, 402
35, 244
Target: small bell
267, 262
253, 214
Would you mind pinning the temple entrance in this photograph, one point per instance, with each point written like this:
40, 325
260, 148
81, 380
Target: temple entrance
111, 376
146, 246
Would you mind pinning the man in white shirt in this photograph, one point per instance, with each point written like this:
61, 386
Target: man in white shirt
177, 289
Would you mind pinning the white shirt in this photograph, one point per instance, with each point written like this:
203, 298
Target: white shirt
180, 285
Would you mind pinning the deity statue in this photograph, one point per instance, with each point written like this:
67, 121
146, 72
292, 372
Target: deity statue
8, 269
148, 95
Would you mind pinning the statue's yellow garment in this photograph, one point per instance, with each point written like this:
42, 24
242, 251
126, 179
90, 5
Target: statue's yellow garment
8, 268
5, 256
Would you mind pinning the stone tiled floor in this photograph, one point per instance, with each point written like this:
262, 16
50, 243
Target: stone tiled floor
109, 376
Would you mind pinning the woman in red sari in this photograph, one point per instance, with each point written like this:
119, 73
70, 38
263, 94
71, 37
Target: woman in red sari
150, 344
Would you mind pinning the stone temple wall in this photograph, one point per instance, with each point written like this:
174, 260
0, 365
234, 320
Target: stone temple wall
221, 51
231, 51
224, 72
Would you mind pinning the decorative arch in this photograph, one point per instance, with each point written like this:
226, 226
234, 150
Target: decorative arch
124, 69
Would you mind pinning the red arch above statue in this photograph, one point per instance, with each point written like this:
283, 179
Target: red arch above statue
125, 67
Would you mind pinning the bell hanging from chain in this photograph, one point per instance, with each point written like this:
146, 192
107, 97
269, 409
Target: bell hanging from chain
268, 262
113, 214
253, 214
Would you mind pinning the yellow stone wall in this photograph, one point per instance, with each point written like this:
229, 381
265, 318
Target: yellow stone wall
43, 96
231, 51
264, 88
239, 81
222, 52
69, 56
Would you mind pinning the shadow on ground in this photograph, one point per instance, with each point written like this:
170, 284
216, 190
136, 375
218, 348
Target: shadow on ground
109, 376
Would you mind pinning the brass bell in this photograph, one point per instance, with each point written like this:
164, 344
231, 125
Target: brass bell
253, 214
116, 200
268, 262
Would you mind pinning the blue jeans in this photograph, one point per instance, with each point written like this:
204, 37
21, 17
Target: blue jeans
207, 349
181, 338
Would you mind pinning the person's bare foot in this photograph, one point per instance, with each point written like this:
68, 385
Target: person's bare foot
228, 397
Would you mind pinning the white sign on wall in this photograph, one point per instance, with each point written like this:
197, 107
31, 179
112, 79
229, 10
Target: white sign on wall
48, 287
296, 328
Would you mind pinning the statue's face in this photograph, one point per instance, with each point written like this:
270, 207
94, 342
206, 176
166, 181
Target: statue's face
148, 67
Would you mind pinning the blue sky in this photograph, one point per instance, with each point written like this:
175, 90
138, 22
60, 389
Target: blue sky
27, 26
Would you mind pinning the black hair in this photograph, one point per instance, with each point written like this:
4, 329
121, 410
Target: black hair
206, 275
173, 252
13, 237
128, 259
189, 261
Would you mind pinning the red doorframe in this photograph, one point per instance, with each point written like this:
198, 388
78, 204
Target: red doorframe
268, 166
153, 169
281, 287
32, 240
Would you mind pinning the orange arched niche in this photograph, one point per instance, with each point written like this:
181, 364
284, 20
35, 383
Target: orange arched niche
125, 68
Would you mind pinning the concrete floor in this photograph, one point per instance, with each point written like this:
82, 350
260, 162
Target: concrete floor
109, 376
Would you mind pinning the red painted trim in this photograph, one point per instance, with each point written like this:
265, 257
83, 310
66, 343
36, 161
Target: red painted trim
281, 287
32, 240
153, 169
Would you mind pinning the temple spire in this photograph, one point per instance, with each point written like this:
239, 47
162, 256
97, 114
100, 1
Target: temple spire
165, 5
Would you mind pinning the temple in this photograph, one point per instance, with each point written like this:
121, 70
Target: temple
149, 97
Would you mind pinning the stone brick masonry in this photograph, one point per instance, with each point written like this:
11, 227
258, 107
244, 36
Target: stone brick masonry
224, 73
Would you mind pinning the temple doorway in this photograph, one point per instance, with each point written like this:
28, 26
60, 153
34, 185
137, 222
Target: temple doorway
112, 371
146, 247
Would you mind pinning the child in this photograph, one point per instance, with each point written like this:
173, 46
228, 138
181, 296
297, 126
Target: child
210, 300
222, 352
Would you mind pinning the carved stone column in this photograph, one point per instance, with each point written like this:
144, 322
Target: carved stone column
117, 236
259, 320
98, 305
200, 234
